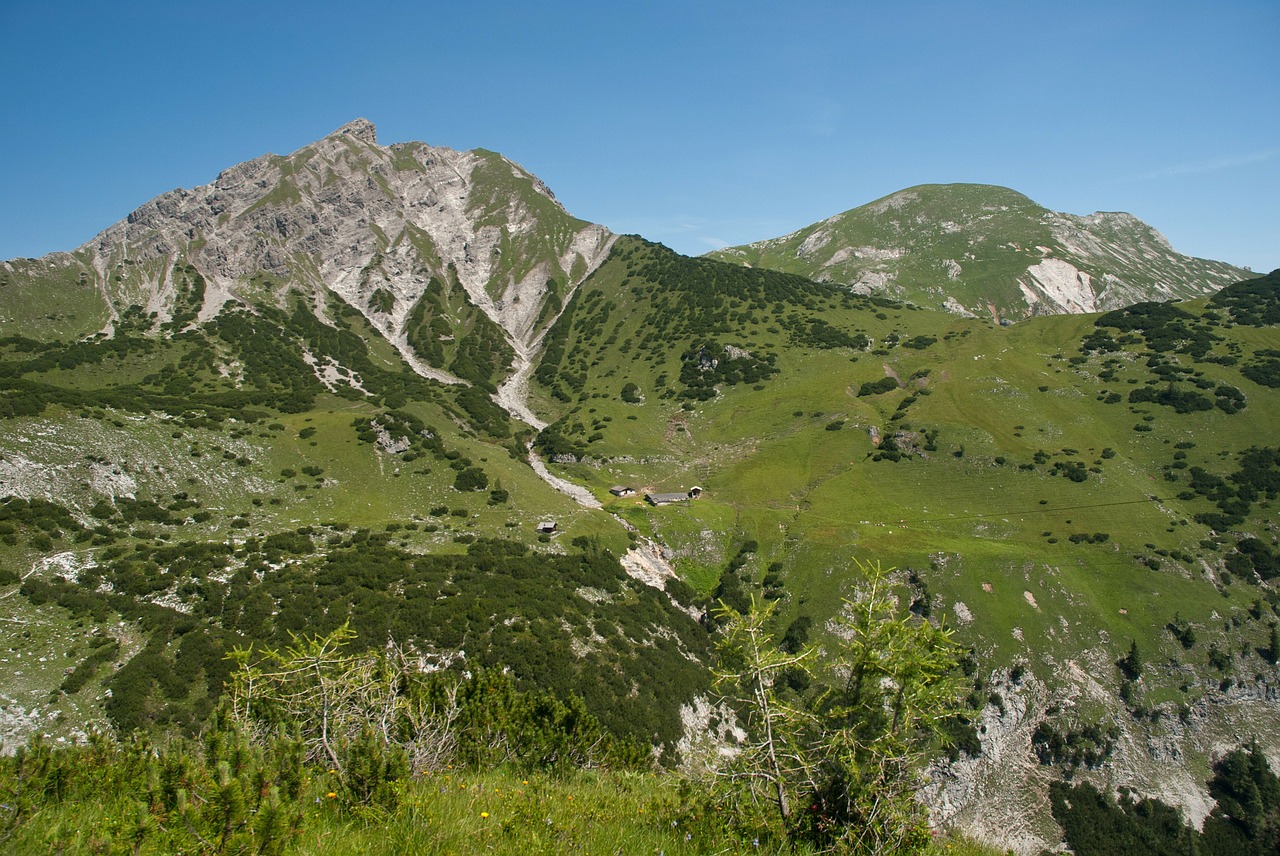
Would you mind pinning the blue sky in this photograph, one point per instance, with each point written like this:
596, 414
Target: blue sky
694, 124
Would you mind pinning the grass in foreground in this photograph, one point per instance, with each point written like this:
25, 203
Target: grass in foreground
449, 812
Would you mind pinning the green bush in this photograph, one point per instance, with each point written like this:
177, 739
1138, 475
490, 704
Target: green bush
471, 478
877, 387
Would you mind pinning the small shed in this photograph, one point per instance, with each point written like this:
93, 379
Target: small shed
620, 490
546, 527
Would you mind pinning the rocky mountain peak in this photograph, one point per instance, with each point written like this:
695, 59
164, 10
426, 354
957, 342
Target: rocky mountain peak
360, 129
373, 225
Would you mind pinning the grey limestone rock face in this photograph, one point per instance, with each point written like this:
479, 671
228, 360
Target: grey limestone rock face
352, 217
360, 129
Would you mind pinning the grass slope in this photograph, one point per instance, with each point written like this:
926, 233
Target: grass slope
460, 812
158, 446
1049, 519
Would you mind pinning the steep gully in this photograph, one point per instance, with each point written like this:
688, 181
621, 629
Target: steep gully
646, 561
513, 396
513, 393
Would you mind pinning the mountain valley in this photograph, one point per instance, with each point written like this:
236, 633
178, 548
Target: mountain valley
400, 389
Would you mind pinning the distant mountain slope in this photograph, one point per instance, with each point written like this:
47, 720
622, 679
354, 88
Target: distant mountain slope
989, 251
373, 224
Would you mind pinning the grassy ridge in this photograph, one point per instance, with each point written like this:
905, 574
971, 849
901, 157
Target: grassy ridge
972, 244
47, 298
995, 241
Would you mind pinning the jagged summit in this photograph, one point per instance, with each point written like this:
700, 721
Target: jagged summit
978, 249
375, 225
361, 129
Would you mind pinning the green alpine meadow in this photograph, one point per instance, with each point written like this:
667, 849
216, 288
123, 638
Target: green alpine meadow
366, 501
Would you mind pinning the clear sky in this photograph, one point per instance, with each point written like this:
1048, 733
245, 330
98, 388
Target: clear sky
698, 124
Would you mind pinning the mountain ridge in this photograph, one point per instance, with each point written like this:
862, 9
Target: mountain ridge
346, 215
987, 250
